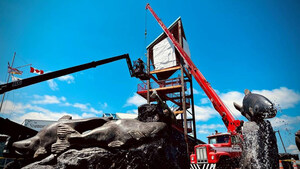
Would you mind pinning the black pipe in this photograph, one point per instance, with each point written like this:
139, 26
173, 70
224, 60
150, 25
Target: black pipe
36, 79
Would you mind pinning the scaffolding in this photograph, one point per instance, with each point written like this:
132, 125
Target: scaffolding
173, 84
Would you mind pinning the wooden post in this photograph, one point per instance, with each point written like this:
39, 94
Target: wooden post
193, 109
12, 63
148, 71
183, 90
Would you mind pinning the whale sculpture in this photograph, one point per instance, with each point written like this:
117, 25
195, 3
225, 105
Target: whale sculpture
146, 142
118, 133
100, 132
256, 107
40, 144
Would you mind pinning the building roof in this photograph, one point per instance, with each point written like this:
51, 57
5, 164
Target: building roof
110, 115
163, 35
126, 116
37, 124
14, 129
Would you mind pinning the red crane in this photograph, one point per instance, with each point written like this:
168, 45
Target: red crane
227, 117
222, 148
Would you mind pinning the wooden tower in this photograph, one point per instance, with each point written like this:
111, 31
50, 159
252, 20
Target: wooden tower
170, 78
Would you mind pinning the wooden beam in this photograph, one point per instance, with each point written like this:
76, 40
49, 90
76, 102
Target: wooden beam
148, 81
193, 109
166, 88
178, 112
154, 78
187, 74
165, 70
183, 90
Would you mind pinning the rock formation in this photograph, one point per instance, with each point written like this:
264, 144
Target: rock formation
149, 142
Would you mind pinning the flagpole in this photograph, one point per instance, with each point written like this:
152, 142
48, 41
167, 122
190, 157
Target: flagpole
7, 82
23, 66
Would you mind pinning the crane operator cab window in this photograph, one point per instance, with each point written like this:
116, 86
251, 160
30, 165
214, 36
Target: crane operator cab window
218, 139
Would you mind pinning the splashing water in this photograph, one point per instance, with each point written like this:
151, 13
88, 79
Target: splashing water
260, 146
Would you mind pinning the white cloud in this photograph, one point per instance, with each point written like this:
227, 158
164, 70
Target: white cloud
136, 100
87, 108
195, 91
63, 99
204, 113
284, 121
67, 78
104, 105
229, 98
81, 106
18, 112
208, 129
286, 98
9, 107
204, 101
47, 116
37, 109
201, 131
39, 116
46, 99
52, 84
283, 96
95, 111
293, 149
67, 104
217, 91
210, 126
87, 115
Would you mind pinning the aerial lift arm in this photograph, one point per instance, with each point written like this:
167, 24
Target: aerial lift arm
227, 117
36, 79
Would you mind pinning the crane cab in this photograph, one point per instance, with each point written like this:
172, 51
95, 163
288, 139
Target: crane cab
221, 148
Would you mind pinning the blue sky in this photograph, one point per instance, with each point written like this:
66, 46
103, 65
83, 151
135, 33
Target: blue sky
236, 45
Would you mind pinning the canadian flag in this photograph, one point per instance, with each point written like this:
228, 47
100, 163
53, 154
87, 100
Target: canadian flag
34, 70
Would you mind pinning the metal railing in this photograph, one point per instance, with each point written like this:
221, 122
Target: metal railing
161, 84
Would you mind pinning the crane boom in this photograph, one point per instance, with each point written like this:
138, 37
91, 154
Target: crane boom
227, 117
36, 79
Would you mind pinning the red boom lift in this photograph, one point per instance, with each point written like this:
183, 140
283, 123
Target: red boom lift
222, 147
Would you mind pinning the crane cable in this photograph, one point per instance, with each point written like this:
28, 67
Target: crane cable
145, 39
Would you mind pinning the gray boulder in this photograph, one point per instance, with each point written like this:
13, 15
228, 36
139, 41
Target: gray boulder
168, 152
154, 144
